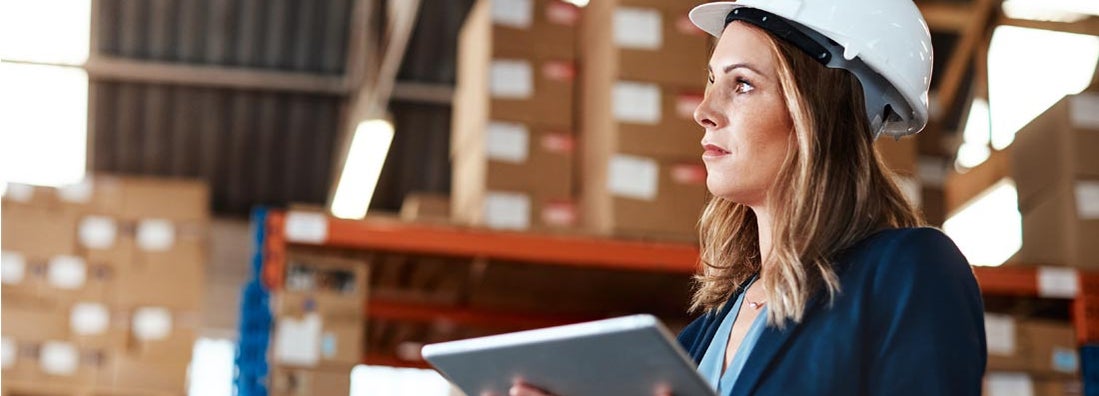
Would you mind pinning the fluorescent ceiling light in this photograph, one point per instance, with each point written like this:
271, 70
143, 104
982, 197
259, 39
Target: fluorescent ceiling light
359, 177
578, 3
1031, 69
45, 31
988, 229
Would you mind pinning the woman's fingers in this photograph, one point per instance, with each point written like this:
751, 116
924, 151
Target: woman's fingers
520, 388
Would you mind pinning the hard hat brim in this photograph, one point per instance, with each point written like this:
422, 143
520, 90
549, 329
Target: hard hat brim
710, 17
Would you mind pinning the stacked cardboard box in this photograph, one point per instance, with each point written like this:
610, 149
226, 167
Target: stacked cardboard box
1056, 173
1029, 353
102, 282
512, 129
643, 75
319, 325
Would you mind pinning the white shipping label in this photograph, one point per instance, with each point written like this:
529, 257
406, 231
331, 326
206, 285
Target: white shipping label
511, 79
8, 352
97, 232
152, 323
19, 192
1000, 333
155, 235
1084, 110
633, 177
1087, 200
13, 267
89, 318
306, 227
58, 358
1056, 282
297, 342
1008, 384
67, 272
513, 13
507, 210
77, 192
636, 102
507, 142
638, 28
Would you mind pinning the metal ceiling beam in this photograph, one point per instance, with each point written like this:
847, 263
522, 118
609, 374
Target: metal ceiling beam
1089, 26
102, 67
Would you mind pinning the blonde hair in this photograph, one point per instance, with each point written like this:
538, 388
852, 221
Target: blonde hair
833, 190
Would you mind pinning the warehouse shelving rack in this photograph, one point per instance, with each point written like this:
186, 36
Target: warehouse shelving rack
284, 229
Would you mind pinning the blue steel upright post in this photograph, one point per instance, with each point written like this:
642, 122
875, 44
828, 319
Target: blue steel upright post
255, 320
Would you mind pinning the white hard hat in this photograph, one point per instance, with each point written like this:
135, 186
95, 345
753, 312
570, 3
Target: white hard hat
885, 43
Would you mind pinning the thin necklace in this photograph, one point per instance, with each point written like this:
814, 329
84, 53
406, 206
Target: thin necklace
756, 305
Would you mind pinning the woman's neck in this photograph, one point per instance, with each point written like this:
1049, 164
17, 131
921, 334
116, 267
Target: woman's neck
763, 225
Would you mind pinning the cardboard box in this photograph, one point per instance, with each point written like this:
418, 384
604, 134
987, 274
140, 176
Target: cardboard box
143, 283
131, 373
22, 277
644, 41
519, 211
287, 381
546, 27
311, 340
1057, 148
1015, 383
38, 232
34, 320
653, 120
1062, 227
514, 176
639, 196
426, 207
157, 361
510, 82
57, 363
335, 287
175, 200
1039, 347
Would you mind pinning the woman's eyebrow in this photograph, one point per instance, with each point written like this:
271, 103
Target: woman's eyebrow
734, 66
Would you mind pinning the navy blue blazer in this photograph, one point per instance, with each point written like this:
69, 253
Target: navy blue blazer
908, 320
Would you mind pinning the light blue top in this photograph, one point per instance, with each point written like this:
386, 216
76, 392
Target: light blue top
711, 363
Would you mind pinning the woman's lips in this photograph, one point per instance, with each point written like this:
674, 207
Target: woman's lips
713, 151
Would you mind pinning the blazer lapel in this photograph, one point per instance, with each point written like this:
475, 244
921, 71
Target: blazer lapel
766, 350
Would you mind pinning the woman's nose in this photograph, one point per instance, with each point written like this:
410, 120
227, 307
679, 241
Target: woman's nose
707, 115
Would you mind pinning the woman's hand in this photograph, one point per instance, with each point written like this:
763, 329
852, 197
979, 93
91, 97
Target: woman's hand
520, 388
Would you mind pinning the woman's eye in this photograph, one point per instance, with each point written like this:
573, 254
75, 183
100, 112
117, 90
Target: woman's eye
710, 78
744, 87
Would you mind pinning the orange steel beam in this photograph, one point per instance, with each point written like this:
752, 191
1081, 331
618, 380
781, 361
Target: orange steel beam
548, 249
274, 245
1085, 309
377, 359
402, 311
1007, 281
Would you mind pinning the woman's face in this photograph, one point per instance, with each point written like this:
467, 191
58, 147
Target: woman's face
747, 123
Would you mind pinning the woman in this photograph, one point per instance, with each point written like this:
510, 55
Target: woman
816, 279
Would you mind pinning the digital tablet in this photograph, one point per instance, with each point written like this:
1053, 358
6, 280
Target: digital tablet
629, 355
